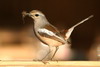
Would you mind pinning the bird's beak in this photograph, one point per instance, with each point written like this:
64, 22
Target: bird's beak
24, 14
29, 14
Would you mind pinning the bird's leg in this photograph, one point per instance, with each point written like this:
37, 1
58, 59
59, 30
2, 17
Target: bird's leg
45, 62
55, 52
46, 54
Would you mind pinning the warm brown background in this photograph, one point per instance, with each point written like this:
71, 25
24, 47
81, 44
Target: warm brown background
61, 13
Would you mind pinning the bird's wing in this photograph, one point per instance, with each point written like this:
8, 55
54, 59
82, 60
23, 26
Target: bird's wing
51, 32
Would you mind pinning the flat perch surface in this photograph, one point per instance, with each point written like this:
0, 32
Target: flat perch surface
50, 64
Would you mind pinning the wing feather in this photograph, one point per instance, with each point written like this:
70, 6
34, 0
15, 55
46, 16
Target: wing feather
52, 33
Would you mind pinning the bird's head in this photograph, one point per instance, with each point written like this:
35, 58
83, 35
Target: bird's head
35, 14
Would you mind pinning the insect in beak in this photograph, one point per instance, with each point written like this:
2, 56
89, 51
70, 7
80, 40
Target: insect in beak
24, 14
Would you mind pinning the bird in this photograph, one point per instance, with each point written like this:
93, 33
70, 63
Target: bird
47, 33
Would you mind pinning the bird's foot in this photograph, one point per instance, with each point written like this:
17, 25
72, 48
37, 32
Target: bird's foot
43, 61
54, 60
35, 60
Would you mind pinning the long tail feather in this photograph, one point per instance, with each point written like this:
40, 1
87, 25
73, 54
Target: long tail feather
72, 28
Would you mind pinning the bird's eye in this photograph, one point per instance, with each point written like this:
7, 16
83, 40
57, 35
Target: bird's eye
36, 15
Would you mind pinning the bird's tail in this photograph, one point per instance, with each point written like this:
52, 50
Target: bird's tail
70, 30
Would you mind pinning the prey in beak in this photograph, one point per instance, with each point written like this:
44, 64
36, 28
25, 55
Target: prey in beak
24, 14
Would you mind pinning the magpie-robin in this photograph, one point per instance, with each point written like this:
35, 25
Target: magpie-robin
47, 33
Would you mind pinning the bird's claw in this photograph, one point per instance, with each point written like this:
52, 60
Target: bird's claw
45, 62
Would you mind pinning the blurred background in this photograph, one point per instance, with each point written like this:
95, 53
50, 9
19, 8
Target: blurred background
17, 41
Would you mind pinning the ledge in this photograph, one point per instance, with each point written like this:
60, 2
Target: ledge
50, 64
